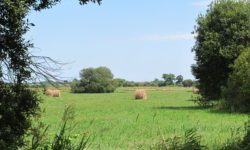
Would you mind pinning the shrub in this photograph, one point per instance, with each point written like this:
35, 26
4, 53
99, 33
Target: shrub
237, 92
187, 83
190, 141
238, 143
17, 105
94, 80
61, 141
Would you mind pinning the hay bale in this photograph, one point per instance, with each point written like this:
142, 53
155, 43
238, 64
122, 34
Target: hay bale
140, 94
48, 92
196, 91
56, 93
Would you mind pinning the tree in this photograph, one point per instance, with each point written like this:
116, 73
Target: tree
169, 79
237, 91
17, 67
187, 83
179, 79
120, 82
95, 80
221, 34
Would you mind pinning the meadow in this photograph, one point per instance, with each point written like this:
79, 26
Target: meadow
118, 121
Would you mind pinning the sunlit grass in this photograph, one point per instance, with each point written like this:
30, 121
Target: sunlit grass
117, 121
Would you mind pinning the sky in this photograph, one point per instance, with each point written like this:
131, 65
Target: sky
138, 40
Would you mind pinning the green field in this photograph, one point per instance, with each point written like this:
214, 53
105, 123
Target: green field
117, 121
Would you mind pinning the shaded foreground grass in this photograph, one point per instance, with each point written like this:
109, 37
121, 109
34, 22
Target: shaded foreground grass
117, 121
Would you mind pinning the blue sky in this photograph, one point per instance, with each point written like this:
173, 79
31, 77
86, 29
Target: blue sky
138, 40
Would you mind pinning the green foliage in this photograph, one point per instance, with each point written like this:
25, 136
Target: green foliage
94, 80
124, 83
120, 82
238, 143
76, 86
179, 79
62, 140
187, 83
221, 35
199, 100
17, 66
169, 78
17, 105
237, 91
190, 141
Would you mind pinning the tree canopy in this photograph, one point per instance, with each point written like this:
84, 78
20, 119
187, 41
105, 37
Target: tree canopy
94, 80
237, 91
179, 79
221, 35
169, 78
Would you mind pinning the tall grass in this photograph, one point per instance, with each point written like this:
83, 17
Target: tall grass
190, 141
117, 121
238, 143
63, 140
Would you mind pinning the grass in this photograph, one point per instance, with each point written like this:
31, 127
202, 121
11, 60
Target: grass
117, 121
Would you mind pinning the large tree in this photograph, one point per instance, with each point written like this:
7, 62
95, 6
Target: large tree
221, 34
17, 67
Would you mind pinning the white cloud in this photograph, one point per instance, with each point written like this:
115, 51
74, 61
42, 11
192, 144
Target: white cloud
167, 37
203, 3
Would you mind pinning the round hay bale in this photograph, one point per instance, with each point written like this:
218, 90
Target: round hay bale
49, 92
140, 94
196, 91
56, 93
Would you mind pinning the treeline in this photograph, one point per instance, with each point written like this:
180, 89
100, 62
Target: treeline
168, 80
100, 80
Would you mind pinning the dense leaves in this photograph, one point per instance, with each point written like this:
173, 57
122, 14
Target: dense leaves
94, 80
187, 83
221, 35
169, 78
237, 92
179, 79
16, 106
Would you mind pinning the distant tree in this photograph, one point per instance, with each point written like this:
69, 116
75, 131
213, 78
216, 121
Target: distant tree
169, 79
120, 82
179, 79
237, 91
221, 34
94, 80
156, 82
187, 83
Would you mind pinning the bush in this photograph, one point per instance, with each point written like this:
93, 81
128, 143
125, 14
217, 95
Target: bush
238, 143
187, 83
62, 140
190, 141
17, 105
76, 87
94, 80
237, 92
